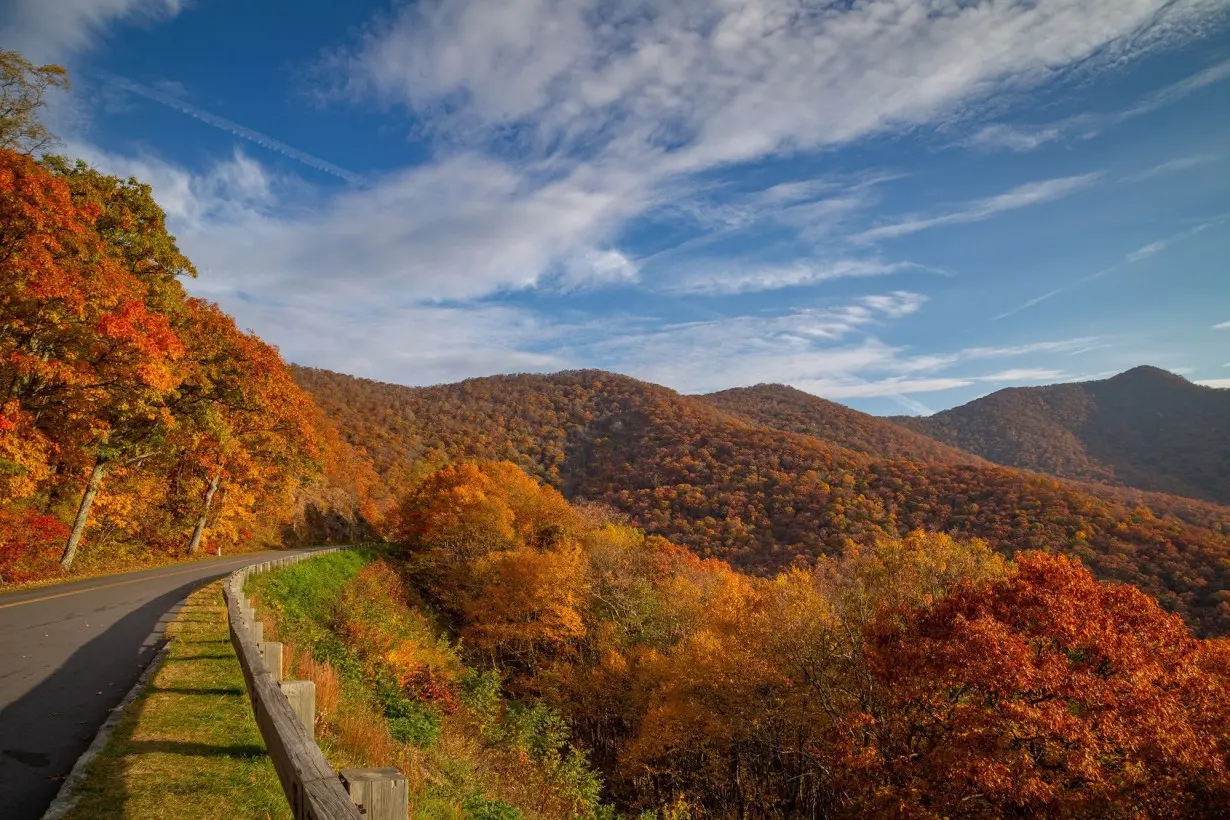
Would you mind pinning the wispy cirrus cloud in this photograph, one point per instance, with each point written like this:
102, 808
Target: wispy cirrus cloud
1156, 247
1031, 193
1172, 166
700, 83
834, 352
46, 31
1138, 255
1222, 326
1026, 137
719, 276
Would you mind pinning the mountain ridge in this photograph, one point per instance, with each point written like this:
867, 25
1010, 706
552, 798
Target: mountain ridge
786, 408
1144, 428
762, 498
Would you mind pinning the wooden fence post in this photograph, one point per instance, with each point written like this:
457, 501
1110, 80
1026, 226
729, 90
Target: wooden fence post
379, 793
271, 654
302, 697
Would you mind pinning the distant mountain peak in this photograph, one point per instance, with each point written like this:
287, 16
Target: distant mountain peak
1149, 373
1146, 428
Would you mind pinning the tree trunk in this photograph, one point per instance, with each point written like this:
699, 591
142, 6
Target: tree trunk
195, 543
83, 513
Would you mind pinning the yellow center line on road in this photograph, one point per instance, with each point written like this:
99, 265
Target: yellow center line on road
116, 584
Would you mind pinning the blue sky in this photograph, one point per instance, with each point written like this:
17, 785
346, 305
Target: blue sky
897, 205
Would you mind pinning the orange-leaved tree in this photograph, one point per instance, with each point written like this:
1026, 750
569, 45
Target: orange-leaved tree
245, 423
1043, 693
88, 359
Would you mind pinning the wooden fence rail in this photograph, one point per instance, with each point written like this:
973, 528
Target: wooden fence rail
285, 714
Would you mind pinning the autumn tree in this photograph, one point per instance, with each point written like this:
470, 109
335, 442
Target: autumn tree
1044, 693
243, 421
86, 356
22, 88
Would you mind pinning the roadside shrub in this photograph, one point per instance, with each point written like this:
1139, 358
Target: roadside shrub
29, 545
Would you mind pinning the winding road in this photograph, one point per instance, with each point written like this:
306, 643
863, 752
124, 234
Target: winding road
68, 654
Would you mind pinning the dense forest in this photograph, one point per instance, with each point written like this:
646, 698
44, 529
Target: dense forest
914, 676
1145, 428
762, 498
135, 420
785, 408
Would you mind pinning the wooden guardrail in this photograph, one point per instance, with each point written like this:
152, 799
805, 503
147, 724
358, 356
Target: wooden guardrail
285, 713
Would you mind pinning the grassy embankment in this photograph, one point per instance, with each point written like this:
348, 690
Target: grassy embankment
188, 746
392, 690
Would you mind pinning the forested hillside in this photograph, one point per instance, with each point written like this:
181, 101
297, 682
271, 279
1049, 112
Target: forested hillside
920, 676
1144, 428
758, 497
135, 420
791, 410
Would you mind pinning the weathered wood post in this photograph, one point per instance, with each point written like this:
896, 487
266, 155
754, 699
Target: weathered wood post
380, 793
302, 697
258, 631
271, 654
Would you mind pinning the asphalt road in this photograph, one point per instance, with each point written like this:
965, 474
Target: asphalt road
68, 654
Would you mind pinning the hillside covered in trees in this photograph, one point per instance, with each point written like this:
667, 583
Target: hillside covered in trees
914, 676
761, 498
785, 408
1145, 428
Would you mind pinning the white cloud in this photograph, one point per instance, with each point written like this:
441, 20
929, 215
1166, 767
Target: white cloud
833, 352
1025, 137
1024, 375
51, 30
721, 276
913, 405
1172, 166
718, 353
1154, 248
1022, 196
1221, 384
893, 387
699, 83
1140, 254
1177, 91
458, 229
1016, 137
1222, 326
410, 344
597, 268
816, 205
1080, 344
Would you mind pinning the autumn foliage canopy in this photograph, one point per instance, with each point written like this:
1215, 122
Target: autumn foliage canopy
916, 677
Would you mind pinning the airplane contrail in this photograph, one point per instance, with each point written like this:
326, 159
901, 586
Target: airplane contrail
234, 128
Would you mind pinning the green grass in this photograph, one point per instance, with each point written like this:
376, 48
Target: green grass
188, 746
304, 593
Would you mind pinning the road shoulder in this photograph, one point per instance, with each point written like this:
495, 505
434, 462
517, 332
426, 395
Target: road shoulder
187, 745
